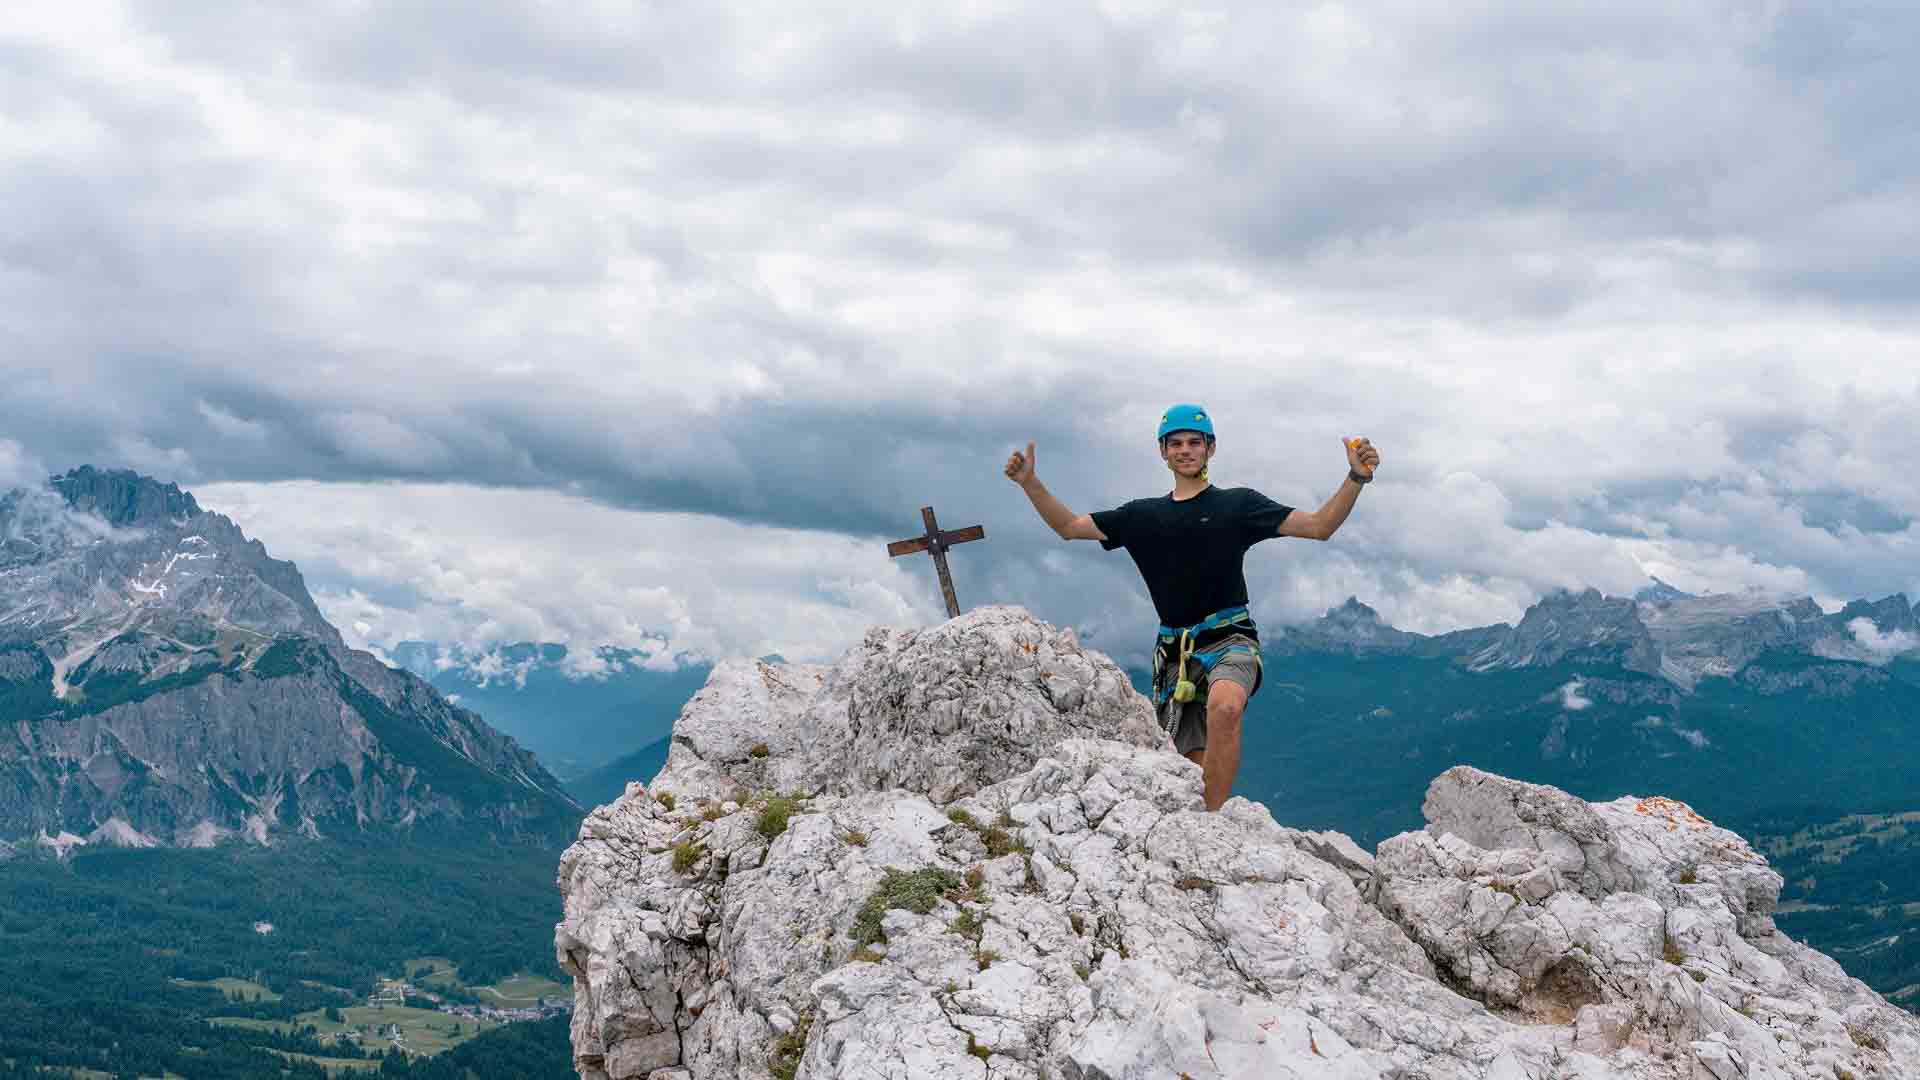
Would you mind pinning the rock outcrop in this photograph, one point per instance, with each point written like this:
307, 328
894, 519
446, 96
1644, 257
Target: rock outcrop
967, 852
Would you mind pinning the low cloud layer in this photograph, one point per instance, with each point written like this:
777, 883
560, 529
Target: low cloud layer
1620, 290
1883, 644
1572, 700
17, 470
478, 567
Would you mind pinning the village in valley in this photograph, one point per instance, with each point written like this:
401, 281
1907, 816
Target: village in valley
425, 1012
397, 992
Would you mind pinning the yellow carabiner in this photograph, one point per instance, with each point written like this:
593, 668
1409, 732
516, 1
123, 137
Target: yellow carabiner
1184, 690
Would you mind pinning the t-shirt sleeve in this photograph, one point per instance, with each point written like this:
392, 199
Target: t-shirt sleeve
1117, 524
1260, 518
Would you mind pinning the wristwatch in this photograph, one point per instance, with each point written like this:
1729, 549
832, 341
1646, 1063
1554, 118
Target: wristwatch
1355, 476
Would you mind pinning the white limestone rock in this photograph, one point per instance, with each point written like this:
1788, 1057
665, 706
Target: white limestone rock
1638, 919
942, 711
1063, 906
1602, 1029
948, 710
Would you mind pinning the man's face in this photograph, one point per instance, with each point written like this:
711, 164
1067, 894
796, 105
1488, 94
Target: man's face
1186, 452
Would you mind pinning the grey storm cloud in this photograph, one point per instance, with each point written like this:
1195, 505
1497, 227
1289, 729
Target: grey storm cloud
1617, 287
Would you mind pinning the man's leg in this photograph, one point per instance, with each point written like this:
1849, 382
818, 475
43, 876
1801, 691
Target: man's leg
1226, 701
1190, 730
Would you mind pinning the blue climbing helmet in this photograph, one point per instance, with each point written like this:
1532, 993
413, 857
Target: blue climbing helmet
1185, 418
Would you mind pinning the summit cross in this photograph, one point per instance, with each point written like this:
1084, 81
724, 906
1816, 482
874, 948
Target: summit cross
937, 543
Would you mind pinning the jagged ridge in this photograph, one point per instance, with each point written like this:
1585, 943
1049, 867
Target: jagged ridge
1661, 631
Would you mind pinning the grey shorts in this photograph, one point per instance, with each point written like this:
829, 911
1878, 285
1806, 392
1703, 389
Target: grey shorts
1242, 668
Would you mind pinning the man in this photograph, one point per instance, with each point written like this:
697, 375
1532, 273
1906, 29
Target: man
1190, 546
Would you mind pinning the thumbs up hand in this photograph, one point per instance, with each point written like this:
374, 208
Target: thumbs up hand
1020, 467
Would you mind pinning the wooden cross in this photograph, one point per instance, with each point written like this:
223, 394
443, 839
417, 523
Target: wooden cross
938, 542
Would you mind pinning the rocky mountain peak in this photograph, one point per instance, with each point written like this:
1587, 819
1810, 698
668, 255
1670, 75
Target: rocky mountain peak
1578, 626
1353, 613
1588, 598
1888, 614
1659, 591
124, 498
965, 852
1352, 627
99, 553
169, 682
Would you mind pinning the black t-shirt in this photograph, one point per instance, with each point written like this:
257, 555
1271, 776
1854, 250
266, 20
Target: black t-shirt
1191, 552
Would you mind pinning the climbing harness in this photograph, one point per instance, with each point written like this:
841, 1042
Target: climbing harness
1177, 646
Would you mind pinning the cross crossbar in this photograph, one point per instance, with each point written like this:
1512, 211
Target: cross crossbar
948, 538
937, 542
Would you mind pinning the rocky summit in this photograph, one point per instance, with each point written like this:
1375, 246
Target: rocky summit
967, 852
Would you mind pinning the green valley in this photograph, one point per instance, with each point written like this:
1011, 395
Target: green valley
404, 956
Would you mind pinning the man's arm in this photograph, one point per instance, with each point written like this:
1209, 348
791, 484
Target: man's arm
1063, 521
1321, 524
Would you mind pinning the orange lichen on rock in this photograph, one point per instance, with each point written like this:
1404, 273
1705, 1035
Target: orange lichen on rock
1673, 810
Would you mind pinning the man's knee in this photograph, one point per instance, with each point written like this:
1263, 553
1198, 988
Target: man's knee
1224, 711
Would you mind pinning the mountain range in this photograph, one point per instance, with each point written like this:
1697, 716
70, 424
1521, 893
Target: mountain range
1738, 703
1677, 637
577, 710
166, 682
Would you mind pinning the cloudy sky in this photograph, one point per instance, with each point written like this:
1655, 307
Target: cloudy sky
623, 323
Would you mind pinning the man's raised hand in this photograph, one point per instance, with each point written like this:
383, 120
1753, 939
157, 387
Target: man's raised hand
1361, 456
1020, 466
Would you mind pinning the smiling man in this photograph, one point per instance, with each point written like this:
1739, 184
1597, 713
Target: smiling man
1190, 546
